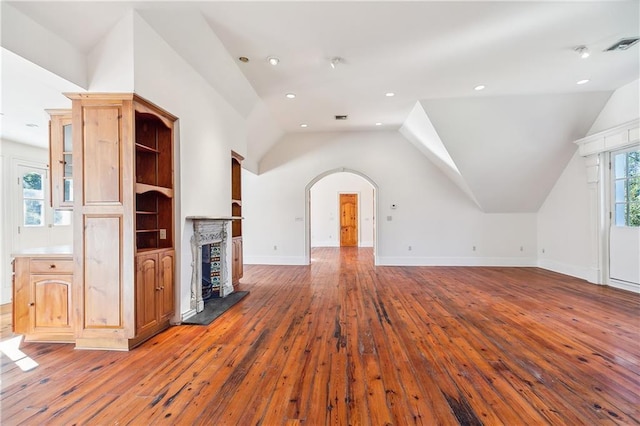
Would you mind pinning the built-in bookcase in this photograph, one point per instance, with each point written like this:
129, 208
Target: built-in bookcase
124, 257
154, 183
236, 211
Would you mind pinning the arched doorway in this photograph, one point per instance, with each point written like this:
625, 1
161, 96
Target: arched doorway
367, 233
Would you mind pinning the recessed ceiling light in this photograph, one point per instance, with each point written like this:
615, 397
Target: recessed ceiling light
586, 80
479, 87
273, 60
303, 125
243, 59
335, 62
290, 95
583, 51
378, 124
31, 125
389, 94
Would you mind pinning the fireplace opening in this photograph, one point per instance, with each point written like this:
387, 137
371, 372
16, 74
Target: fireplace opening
211, 271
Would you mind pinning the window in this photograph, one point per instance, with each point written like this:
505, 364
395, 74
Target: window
61, 217
626, 188
33, 199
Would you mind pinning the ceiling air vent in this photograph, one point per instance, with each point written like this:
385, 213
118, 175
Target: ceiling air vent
341, 117
623, 44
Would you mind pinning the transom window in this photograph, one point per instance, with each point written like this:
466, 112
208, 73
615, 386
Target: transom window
626, 186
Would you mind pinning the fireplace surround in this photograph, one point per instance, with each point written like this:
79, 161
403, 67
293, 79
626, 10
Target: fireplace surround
208, 231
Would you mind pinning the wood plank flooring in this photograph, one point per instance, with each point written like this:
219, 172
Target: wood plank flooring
343, 342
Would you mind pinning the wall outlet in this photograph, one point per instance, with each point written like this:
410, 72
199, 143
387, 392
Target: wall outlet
275, 247
473, 248
389, 218
163, 234
410, 248
521, 248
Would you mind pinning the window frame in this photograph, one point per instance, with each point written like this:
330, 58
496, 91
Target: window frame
614, 180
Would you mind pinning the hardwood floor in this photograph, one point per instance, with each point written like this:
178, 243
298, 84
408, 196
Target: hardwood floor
343, 342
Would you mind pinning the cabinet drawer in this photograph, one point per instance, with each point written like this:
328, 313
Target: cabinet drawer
51, 266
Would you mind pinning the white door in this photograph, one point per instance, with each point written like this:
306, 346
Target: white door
37, 224
624, 235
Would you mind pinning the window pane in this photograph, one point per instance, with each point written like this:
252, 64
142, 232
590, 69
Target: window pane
68, 165
634, 189
68, 190
633, 163
620, 165
33, 210
32, 186
621, 214
67, 145
634, 214
61, 217
621, 191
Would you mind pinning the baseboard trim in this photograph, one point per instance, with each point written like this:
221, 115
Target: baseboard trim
274, 260
585, 273
635, 288
457, 261
188, 314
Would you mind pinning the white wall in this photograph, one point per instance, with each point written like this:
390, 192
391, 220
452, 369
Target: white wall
564, 234
433, 216
325, 209
622, 107
208, 129
567, 220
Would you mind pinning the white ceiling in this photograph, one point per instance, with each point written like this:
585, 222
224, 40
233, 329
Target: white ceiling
423, 51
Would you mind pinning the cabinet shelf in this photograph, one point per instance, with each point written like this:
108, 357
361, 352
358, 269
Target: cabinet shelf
143, 148
146, 212
141, 188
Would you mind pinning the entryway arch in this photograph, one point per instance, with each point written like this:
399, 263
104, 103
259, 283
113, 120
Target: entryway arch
307, 210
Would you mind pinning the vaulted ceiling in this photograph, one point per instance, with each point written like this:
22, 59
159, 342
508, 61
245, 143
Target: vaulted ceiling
504, 146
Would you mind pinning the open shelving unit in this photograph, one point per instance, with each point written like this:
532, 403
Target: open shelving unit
236, 212
154, 183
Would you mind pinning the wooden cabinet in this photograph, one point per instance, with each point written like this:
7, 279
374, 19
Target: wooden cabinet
123, 219
236, 260
61, 158
154, 289
236, 211
42, 298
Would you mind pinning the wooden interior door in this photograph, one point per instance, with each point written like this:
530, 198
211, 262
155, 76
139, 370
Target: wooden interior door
348, 220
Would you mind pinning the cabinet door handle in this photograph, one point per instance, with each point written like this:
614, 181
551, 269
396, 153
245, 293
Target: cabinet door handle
32, 304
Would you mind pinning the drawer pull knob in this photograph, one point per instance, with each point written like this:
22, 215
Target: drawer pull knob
32, 304
52, 266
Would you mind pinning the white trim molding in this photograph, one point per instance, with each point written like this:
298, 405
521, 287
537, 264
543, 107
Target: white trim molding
596, 150
458, 261
586, 273
275, 260
611, 139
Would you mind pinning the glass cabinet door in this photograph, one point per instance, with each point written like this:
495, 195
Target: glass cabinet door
61, 159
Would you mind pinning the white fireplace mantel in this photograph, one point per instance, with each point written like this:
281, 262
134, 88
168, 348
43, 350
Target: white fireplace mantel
208, 230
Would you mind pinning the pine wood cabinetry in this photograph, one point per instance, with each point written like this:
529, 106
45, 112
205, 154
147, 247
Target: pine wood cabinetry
154, 289
61, 158
123, 219
42, 298
236, 211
